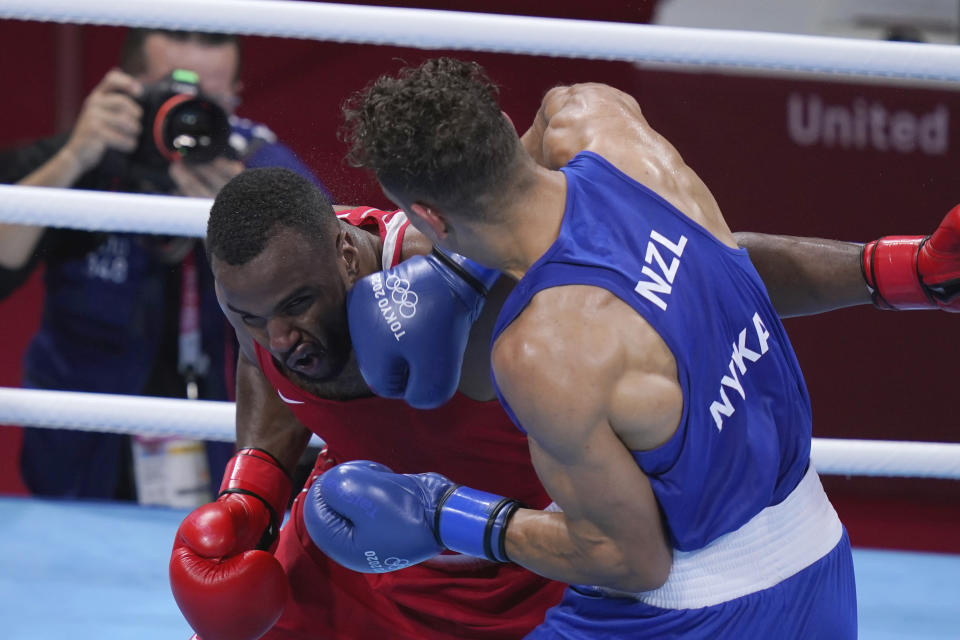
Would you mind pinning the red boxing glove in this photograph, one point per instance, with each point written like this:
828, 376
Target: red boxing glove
223, 574
915, 272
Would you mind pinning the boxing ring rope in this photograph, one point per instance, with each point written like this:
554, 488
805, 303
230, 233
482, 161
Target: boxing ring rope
132, 415
426, 29
436, 29
104, 211
209, 420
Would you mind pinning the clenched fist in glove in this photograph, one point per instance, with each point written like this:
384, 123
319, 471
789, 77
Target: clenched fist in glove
916, 272
224, 577
372, 520
410, 325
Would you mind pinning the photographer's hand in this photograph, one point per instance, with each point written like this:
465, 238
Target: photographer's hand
110, 119
203, 180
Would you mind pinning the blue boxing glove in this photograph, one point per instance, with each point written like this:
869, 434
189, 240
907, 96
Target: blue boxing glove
371, 520
410, 325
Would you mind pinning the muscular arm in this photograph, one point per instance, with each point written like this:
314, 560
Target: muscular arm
802, 275
584, 398
807, 275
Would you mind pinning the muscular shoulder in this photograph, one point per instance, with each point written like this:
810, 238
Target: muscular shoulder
593, 117
566, 105
578, 358
609, 122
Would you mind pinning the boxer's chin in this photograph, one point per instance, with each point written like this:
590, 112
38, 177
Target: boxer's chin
314, 369
348, 384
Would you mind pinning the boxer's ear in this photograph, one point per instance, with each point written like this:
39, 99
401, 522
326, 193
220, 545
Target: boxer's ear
349, 255
431, 218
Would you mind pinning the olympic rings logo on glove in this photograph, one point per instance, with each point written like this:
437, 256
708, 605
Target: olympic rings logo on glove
390, 564
396, 563
405, 299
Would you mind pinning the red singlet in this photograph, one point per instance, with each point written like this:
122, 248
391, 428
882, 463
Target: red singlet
473, 443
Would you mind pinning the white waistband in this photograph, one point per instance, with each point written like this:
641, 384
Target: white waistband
775, 544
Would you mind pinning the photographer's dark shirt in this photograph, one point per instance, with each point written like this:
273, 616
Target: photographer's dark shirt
104, 308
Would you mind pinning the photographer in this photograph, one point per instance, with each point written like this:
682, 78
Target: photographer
113, 301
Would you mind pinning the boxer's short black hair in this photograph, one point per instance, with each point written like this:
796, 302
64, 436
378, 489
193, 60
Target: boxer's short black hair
255, 205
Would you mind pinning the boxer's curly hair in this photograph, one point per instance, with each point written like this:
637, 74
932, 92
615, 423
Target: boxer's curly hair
257, 204
435, 132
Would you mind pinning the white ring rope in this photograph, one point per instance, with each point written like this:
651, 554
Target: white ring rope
434, 29
207, 420
114, 413
840, 456
104, 211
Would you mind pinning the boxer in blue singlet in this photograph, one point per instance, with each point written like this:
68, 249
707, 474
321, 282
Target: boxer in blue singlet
758, 550
665, 411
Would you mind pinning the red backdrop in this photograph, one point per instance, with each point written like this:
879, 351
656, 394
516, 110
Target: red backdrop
841, 160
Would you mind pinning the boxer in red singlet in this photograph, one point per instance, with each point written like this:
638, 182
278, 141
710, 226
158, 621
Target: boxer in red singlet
286, 290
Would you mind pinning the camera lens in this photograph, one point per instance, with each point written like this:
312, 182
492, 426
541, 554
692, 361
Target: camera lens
197, 130
179, 123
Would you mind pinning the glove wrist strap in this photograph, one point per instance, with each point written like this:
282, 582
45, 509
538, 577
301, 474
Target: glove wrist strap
889, 267
477, 276
474, 522
256, 473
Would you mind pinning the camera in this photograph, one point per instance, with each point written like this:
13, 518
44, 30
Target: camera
179, 121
